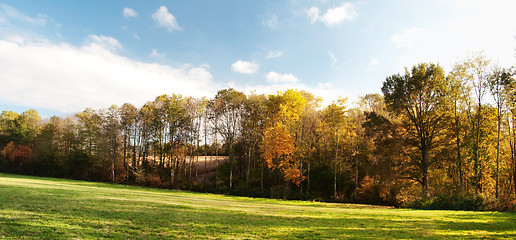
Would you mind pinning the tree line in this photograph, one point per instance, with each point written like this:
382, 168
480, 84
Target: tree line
429, 134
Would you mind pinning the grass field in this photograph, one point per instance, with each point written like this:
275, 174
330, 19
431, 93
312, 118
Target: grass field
45, 208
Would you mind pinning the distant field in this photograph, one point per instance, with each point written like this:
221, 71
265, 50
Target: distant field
45, 208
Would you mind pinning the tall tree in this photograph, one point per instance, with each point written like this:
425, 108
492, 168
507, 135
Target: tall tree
253, 122
278, 146
420, 96
499, 82
334, 120
111, 130
228, 106
458, 80
476, 66
128, 114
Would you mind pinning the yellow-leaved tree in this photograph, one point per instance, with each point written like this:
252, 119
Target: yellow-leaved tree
278, 145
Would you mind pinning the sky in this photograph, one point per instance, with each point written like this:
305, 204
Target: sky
60, 57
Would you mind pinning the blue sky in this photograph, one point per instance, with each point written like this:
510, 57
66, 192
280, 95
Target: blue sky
60, 57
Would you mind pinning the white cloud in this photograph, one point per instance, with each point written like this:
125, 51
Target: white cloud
332, 16
280, 78
452, 41
165, 19
271, 22
104, 42
313, 14
136, 36
409, 38
374, 61
274, 54
245, 67
333, 58
67, 78
326, 90
156, 54
129, 13
8, 12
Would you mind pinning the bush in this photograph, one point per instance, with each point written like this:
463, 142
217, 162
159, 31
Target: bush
454, 202
503, 204
472, 203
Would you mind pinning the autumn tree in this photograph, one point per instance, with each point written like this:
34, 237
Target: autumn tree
458, 80
498, 82
334, 117
278, 145
111, 138
128, 114
476, 66
420, 96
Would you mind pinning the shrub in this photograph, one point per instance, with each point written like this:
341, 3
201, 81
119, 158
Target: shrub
454, 202
503, 204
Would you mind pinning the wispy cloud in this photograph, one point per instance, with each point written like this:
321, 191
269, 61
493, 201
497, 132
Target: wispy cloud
156, 54
280, 78
105, 42
333, 58
8, 12
409, 38
326, 90
68, 78
274, 54
129, 13
374, 62
333, 16
245, 67
163, 18
271, 22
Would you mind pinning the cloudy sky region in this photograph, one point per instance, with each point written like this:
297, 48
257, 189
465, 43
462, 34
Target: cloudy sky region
60, 57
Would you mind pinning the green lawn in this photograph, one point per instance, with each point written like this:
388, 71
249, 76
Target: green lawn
45, 208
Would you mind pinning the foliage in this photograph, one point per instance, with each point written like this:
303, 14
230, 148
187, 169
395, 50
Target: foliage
430, 134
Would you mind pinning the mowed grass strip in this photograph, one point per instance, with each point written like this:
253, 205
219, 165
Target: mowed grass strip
46, 208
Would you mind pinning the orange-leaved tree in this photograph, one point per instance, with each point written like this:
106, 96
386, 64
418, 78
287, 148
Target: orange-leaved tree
278, 144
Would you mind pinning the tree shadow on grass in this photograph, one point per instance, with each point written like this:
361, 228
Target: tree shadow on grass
68, 213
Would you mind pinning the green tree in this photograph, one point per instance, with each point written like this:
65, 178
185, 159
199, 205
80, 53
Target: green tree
228, 107
500, 85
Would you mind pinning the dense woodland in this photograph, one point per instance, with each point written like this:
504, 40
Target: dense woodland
430, 134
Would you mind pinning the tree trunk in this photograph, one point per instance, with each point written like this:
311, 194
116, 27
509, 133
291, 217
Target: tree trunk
512, 142
335, 181
261, 177
335, 167
498, 152
231, 164
231, 176
356, 178
308, 181
134, 149
248, 167
300, 179
424, 170
217, 162
172, 170
477, 168
459, 160
125, 150
205, 155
